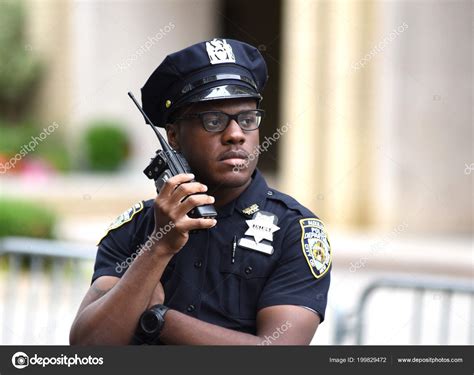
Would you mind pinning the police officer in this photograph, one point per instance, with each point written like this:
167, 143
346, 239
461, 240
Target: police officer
257, 273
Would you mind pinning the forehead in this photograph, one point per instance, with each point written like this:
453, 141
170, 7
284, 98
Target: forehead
228, 105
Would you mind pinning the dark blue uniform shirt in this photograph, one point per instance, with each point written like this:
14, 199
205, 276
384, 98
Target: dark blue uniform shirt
211, 281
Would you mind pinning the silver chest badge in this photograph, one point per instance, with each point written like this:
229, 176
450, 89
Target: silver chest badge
219, 52
261, 228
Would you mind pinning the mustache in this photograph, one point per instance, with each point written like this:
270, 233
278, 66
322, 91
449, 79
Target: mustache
234, 154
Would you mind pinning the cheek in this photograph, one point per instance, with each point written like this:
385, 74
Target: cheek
254, 138
197, 147
252, 144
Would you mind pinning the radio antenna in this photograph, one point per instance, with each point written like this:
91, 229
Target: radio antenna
164, 144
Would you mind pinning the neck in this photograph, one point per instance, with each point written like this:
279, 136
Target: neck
225, 195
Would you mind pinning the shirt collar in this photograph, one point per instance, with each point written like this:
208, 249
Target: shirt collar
255, 193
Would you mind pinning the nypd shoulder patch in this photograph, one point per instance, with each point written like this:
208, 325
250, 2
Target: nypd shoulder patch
315, 246
123, 218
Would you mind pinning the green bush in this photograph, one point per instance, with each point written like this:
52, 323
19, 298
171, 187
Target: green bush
53, 150
20, 69
14, 137
24, 218
57, 155
106, 146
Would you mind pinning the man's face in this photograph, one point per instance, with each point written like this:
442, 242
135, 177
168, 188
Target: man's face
217, 159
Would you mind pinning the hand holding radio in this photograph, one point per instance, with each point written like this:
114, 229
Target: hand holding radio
179, 195
181, 204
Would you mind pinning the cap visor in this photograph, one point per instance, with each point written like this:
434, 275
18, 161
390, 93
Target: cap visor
229, 91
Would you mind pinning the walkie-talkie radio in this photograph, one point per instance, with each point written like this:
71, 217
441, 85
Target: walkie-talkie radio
168, 163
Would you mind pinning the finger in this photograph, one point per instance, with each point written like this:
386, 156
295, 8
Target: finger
193, 201
188, 188
188, 224
172, 183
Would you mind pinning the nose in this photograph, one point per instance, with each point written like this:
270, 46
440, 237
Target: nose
233, 134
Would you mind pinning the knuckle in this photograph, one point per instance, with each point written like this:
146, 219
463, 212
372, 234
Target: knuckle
179, 225
205, 223
170, 181
180, 178
183, 188
193, 199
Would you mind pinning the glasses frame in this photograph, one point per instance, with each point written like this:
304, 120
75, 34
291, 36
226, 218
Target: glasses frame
230, 117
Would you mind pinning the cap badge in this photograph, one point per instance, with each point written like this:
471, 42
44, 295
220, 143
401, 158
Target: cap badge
219, 52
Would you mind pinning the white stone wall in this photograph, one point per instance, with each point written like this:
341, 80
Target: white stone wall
115, 48
379, 96
424, 117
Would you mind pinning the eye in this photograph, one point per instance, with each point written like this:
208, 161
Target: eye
249, 119
213, 120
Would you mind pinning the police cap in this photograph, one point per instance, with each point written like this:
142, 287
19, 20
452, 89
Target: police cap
210, 70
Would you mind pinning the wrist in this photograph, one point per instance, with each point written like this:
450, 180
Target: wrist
155, 244
151, 323
162, 251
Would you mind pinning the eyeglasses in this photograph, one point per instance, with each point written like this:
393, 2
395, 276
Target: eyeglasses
216, 121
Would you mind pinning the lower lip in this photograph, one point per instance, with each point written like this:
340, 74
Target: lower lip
234, 161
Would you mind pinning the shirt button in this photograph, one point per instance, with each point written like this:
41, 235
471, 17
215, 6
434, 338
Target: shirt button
198, 264
248, 270
269, 192
190, 308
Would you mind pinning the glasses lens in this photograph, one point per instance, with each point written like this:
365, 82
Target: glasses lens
214, 121
249, 120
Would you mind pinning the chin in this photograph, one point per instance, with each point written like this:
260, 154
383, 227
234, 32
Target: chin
233, 178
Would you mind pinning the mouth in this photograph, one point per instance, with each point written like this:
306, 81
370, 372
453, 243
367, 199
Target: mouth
234, 157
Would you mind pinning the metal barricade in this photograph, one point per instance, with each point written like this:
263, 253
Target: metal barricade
354, 324
42, 283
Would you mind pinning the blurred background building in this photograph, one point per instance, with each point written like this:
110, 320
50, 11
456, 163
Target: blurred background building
376, 98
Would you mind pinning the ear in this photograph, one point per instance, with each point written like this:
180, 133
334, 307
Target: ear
172, 132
